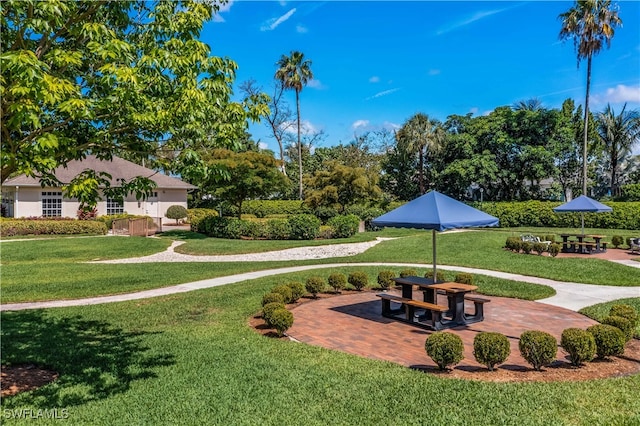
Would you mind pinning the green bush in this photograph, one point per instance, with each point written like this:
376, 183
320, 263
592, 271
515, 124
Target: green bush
285, 291
621, 324
195, 216
491, 349
554, 249
272, 297
445, 349
539, 248
526, 247
315, 285
326, 232
337, 281
579, 345
514, 244
304, 227
625, 311
280, 319
269, 208
344, 226
408, 273
440, 278
269, 308
297, 290
176, 212
385, 279
629, 192
366, 214
358, 280
464, 278
325, 213
617, 241
538, 348
609, 340
550, 237
278, 229
11, 227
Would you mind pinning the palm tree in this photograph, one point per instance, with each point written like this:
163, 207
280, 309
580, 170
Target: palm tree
619, 133
420, 134
295, 72
533, 104
590, 23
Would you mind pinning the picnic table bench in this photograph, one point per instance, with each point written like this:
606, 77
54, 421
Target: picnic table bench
407, 310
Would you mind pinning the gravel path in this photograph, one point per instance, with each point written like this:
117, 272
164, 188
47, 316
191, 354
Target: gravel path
298, 253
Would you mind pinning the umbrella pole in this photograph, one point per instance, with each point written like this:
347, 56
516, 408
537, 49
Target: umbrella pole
433, 239
582, 219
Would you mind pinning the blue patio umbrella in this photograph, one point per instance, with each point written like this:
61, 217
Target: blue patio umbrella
583, 204
437, 212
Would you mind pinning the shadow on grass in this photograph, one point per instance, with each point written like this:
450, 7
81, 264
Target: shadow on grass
94, 359
179, 234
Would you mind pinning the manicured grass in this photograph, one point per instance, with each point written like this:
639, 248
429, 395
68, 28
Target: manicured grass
192, 359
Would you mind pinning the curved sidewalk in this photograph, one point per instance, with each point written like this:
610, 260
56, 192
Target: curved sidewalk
573, 296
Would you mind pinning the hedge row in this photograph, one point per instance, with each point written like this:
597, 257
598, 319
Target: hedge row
625, 215
264, 208
108, 219
11, 227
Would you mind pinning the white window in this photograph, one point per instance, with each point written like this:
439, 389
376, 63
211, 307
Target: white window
52, 203
114, 206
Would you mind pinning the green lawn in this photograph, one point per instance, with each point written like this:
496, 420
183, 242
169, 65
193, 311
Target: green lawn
191, 359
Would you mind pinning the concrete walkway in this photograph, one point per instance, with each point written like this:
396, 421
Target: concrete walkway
569, 295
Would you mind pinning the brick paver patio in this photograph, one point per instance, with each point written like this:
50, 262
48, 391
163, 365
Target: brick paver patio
353, 323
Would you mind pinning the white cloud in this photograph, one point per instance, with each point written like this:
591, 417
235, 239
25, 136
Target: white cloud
225, 7
263, 145
359, 123
474, 110
301, 29
618, 94
316, 84
306, 127
434, 71
272, 24
468, 20
374, 79
383, 93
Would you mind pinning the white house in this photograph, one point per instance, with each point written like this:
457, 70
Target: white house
23, 196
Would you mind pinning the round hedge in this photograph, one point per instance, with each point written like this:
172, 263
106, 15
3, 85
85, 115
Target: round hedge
579, 345
337, 281
297, 290
609, 340
408, 273
538, 348
280, 319
285, 291
272, 297
621, 324
358, 280
176, 212
464, 278
444, 349
491, 349
269, 308
344, 226
315, 285
625, 311
440, 278
385, 279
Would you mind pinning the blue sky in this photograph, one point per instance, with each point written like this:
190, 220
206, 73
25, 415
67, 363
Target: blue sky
376, 63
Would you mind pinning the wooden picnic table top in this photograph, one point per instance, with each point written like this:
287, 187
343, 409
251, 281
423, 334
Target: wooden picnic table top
454, 287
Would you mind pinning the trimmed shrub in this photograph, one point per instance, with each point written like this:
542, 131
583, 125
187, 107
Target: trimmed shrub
609, 340
280, 319
272, 297
326, 232
304, 227
440, 278
625, 311
269, 208
554, 249
358, 280
285, 291
337, 281
11, 227
278, 229
176, 212
315, 285
579, 345
621, 324
617, 241
464, 278
526, 247
538, 348
408, 273
325, 213
344, 226
195, 216
539, 248
550, 237
385, 279
514, 244
268, 309
297, 290
491, 349
444, 349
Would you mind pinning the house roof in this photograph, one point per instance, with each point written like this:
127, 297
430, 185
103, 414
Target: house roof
118, 168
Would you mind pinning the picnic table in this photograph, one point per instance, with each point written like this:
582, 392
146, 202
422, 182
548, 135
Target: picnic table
583, 243
435, 316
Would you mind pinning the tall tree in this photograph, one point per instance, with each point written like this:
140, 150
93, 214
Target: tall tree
109, 77
590, 23
421, 134
295, 72
619, 133
533, 104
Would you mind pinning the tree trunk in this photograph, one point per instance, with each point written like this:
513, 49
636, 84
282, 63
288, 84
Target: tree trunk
299, 144
586, 129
